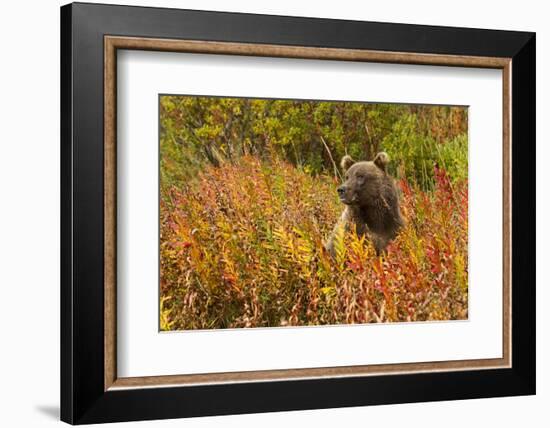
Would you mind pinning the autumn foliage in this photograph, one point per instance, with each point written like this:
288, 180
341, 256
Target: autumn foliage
242, 246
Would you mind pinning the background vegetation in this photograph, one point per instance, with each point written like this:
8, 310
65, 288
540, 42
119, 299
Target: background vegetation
248, 197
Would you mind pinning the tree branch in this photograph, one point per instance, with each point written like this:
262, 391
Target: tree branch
336, 170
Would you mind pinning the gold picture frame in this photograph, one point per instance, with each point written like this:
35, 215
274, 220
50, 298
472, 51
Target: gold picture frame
114, 43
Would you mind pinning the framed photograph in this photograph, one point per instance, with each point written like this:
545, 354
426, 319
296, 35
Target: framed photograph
266, 213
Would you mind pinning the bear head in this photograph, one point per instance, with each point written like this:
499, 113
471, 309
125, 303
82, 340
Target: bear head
363, 180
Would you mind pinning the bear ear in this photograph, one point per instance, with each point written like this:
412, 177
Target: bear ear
381, 160
346, 162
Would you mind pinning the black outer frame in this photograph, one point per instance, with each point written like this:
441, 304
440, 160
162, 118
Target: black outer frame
83, 399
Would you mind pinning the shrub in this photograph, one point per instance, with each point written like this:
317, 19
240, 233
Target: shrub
419, 152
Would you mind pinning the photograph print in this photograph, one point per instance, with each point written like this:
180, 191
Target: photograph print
283, 212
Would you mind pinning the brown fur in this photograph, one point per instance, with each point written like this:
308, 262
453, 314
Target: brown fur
372, 202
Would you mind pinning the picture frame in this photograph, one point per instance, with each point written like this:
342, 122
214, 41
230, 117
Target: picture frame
91, 35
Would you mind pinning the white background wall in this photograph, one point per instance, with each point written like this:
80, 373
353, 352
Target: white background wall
29, 217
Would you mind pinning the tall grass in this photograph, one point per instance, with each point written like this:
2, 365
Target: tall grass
242, 246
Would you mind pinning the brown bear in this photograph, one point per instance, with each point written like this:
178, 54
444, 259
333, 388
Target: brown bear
372, 202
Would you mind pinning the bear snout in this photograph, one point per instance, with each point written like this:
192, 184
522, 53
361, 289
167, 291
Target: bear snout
344, 194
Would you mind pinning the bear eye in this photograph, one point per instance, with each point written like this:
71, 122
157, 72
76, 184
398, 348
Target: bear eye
360, 176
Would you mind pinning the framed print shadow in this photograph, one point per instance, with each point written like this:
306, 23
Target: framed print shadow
266, 213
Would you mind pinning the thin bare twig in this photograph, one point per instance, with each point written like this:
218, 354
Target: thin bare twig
372, 150
336, 170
